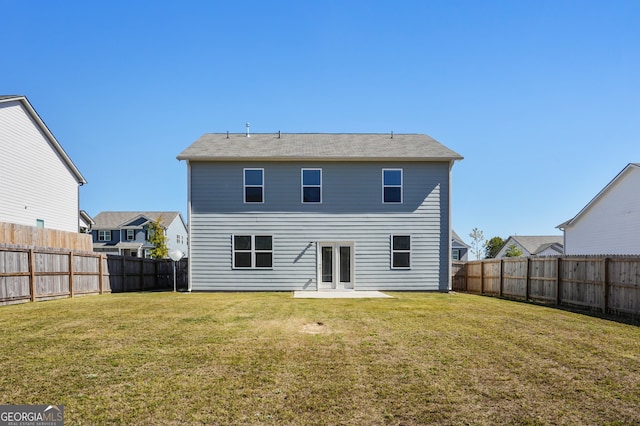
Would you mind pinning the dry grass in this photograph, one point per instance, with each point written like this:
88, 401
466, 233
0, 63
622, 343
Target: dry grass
265, 358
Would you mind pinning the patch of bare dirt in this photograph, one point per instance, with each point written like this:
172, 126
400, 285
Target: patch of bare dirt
315, 328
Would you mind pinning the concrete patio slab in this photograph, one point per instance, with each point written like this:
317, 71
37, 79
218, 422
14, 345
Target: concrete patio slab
339, 294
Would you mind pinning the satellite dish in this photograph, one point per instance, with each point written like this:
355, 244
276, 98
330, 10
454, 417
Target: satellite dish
175, 255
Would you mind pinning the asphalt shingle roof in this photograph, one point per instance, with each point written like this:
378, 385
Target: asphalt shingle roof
317, 146
534, 244
112, 220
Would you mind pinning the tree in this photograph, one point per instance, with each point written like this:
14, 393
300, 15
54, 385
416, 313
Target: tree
477, 240
158, 239
513, 251
492, 247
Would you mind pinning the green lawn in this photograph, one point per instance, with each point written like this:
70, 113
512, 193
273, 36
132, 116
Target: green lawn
266, 358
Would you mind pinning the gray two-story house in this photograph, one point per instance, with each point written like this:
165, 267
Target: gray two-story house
319, 211
127, 233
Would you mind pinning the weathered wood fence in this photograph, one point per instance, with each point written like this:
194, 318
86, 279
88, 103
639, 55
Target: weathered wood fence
32, 274
607, 284
12, 234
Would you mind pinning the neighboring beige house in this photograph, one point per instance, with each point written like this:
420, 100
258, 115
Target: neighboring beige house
610, 222
39, 184
536, 245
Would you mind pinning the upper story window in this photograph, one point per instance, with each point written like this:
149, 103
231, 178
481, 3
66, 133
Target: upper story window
455, 254
311, 185
104, 235
252, 251
392, 185
400, 251
253, 185
131, 234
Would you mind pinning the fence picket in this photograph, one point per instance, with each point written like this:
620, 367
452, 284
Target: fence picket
54, 273
609, 284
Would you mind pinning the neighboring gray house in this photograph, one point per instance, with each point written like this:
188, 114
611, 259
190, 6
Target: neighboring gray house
610, 222
319, 211
127, 233
39, 184
538, 245
459, 249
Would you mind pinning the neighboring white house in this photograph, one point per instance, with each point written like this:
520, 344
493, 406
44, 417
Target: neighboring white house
39, 184
319, 211
610, 222
533, 245
127, 233
86, 222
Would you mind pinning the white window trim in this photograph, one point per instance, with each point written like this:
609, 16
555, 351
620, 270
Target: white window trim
244, 185
392, 251
401, 186
105, 233
133, 234
253, 252
302, 186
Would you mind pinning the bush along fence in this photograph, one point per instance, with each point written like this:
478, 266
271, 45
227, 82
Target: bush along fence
607, 284
33, 274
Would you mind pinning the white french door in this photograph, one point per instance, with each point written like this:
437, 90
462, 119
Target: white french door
336, 265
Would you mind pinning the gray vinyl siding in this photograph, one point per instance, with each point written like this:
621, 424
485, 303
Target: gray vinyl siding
351, 210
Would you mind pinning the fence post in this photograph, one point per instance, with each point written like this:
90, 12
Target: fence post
141, 272
558, 280
32, 275
527, 281
605, 284
100, 272
466, 276
481, 277
71, 273
501, 278
124, 274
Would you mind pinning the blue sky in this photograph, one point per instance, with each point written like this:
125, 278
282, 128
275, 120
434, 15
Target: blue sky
542, 98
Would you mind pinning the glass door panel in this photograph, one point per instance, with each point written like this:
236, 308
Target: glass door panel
327, 264
345, 264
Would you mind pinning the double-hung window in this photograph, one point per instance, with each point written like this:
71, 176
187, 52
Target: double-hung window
455, 254
104, 235
253, 185
392, 185
131, 235
312, 185
400, 251
252, 252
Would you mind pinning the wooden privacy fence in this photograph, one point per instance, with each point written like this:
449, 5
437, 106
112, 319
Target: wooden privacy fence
12, 234
28, 274
608, 284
